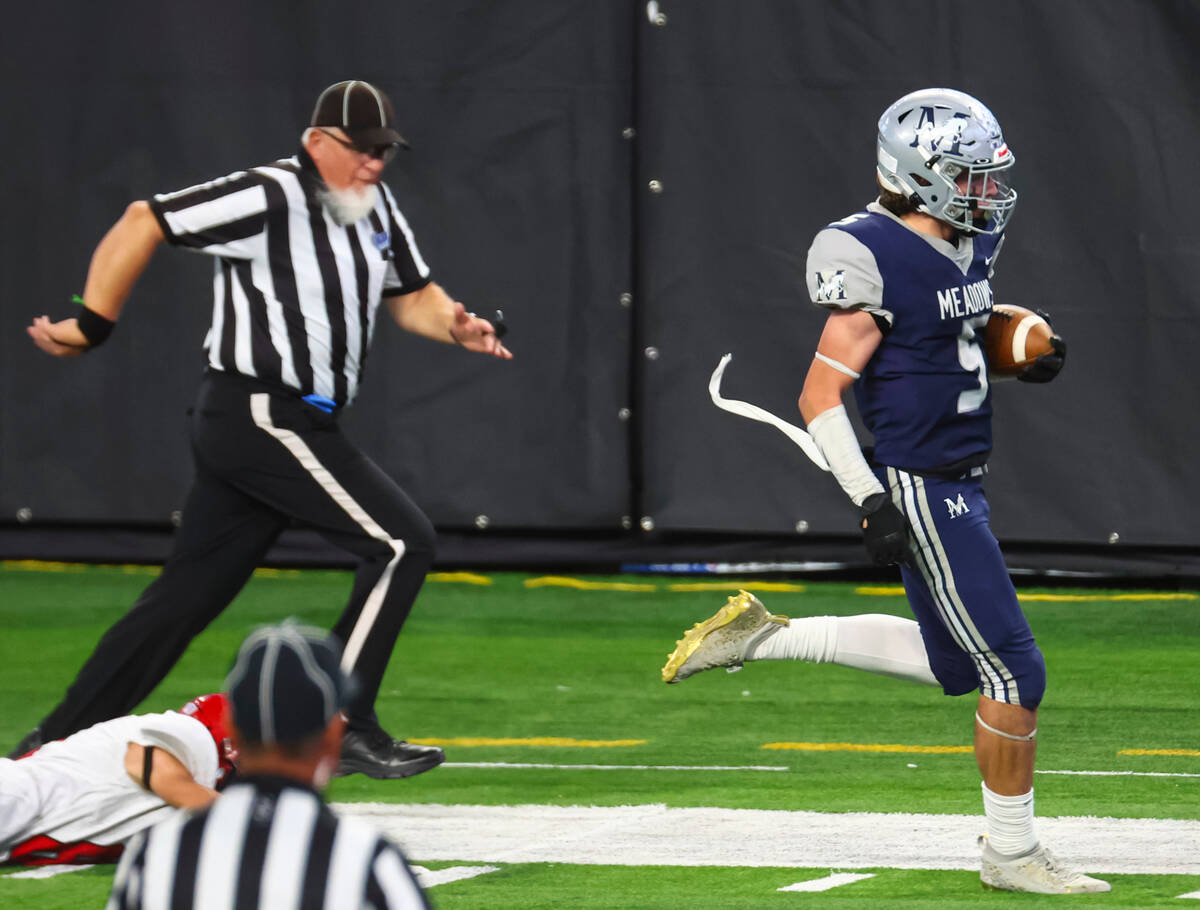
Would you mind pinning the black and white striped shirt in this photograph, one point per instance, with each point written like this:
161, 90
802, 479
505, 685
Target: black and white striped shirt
295, 294
265, 843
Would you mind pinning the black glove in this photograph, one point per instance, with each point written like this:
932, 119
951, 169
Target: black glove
1047, 366
885, 532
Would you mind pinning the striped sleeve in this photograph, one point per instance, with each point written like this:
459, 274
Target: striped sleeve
126, 889
391, 884
407, 271
223, 217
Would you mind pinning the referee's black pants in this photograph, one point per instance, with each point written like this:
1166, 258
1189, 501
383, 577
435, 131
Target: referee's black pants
264, 459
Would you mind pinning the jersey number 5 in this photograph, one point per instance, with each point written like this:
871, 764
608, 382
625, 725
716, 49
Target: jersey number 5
972, 361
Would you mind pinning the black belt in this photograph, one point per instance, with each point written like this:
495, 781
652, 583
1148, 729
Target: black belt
320, 402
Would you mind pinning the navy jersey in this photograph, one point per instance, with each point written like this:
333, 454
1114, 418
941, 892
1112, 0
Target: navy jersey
924, 394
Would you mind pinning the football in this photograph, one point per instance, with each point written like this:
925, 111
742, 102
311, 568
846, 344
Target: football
1014, 338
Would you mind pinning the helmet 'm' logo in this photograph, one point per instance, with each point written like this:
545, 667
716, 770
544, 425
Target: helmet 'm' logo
945, 137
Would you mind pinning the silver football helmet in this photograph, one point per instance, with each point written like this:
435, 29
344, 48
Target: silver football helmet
943, 150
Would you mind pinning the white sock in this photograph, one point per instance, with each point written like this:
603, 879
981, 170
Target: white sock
875, 642
1010, 823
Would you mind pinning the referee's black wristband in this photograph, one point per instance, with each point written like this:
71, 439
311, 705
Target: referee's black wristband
95, 328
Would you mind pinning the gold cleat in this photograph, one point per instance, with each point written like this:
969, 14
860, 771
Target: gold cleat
724, 639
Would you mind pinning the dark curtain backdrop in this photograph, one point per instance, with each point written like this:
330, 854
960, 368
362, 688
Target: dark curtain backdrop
537, 129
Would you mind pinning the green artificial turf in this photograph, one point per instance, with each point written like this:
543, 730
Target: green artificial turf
503, 659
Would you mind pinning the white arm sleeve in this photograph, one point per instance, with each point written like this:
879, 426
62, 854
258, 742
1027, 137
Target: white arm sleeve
835, 437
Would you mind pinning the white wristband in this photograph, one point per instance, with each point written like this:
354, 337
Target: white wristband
835, 436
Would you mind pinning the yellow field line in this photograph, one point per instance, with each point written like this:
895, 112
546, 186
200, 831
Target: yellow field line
535, 741
578, 584
462, 578
1069, 598
735, 586
1190, 752
870, 747
898, 591
77, 568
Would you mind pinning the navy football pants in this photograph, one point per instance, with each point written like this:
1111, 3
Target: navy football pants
975, 633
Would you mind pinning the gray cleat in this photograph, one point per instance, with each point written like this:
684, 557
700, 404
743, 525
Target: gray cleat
1038, 872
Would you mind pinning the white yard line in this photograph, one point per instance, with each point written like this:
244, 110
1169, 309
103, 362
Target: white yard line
492, 765
1123, 773
658, 835
507, 764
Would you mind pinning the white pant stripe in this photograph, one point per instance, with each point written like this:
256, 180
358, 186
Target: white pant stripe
260, 409
939, 577
983, 654
1004, 686
904, 498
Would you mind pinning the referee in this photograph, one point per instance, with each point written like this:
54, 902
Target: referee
305, 249
269, 841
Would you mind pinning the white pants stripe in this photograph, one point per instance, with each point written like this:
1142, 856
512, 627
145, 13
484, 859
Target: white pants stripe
908, 494
260, 409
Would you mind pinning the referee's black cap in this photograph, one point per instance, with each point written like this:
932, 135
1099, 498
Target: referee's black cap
286, 684
364, 112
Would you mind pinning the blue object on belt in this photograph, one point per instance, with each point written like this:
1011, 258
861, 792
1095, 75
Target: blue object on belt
328, 405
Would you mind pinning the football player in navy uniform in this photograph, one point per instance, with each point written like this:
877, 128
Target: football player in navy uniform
907, 285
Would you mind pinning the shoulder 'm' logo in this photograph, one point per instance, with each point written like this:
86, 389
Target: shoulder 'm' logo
831, 286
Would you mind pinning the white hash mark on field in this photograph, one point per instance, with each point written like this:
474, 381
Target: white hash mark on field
662, 836
1195, 895
834, 880
431, 878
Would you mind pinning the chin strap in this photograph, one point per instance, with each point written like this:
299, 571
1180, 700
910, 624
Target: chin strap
1027, 738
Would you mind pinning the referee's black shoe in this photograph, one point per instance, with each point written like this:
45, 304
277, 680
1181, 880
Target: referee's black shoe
370, 750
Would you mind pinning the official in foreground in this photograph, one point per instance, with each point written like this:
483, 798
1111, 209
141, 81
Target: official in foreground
269, 840
305, 249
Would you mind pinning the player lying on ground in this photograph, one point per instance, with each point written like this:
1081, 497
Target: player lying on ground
269, 841
77, 800
907, 283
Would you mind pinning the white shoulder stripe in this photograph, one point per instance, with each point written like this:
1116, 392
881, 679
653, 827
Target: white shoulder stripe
396, 881
221, 849
212, 184
422, 268
198, 218
158, 869
287, 845
310, 286
349, 862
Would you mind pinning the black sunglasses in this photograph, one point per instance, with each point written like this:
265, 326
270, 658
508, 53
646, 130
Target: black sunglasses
384, 151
